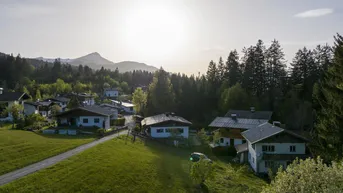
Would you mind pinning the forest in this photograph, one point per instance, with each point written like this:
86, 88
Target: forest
304, 94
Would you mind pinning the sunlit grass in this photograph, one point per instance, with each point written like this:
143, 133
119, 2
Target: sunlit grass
21, 148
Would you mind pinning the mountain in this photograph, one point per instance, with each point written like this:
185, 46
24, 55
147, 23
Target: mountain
96, 61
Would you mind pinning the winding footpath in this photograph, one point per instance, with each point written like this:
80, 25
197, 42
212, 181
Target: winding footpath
9, 177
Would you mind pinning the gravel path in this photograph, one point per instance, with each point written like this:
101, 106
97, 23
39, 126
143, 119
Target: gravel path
9, 177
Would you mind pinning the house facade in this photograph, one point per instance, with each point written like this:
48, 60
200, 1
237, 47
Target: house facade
166, 126
111, 92
85, 99
234, 123
7, 99
269, 146
40, 107
60, 101
124, 106
88, 116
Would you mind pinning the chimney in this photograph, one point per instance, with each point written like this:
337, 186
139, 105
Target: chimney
277, 123
234, 116
252, 109
1, 90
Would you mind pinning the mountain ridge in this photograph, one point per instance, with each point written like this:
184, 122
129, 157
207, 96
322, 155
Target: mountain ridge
95, 61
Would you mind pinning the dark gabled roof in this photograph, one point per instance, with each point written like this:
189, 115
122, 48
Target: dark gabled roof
92, 109
265, 131
13, 96
250, 114
241, 147
156, 119
59, 99
40, 103
240, 123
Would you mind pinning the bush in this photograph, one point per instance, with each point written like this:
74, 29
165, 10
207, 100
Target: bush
100, 132
34, 118
225, 151
120, 122
137, 129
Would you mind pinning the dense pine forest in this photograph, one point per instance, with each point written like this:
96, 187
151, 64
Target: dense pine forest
305, 94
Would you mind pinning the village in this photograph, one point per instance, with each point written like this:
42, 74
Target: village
248, 136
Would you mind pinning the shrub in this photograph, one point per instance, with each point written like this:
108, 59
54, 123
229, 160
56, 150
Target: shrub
120, 122
31, 119
37, 126
137, 129
310, 175
101, 132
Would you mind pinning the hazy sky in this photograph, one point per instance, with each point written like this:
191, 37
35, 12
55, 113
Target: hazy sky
181, 36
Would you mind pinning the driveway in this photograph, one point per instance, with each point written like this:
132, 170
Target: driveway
9, 177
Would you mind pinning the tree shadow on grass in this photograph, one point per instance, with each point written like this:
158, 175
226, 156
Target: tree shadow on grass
173, 168
58, 136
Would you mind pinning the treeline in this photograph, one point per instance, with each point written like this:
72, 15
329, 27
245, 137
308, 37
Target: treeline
259, 78
19, 74
307, 96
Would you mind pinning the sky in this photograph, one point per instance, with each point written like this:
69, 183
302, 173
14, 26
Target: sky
181, 36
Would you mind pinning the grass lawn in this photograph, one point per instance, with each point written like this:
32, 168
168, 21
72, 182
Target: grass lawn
116, 166
21, 148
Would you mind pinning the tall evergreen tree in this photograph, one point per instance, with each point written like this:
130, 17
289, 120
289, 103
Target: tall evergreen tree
161, 97
233, 72
329, 103
221, 70
275, 71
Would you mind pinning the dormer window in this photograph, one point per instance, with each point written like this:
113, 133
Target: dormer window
268, 148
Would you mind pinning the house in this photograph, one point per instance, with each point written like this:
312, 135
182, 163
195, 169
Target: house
162, 125
61, 101
87, 116
124, 106
85, 99
111, 92
9, 98
235, 122
269, 146
111, 108
41, 107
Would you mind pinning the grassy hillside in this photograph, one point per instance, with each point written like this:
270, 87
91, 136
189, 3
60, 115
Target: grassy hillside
21, 148
117, 166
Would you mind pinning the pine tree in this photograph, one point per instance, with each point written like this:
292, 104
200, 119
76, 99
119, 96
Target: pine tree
259, 75
161, 97
275, 70
328, 95
233, 72
211, 74
221, 70
248, 68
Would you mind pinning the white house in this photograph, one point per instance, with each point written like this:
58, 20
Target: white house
61, 101
269, 146
9, 98
41, 107
235, 122
162, 125
88, 116
111, 92
85, 99
124, 106
111, 108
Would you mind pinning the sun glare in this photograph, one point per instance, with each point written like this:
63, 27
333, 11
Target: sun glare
154, 31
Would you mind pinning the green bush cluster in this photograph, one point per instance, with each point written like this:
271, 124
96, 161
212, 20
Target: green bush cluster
119, 122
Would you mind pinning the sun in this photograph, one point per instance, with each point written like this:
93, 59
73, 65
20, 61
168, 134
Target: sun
154, 31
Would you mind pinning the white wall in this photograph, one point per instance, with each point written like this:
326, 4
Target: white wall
111, 93
153, 131
277, 164
90, 121
280, 148
89, 101
251, 156
283, 148
226, 142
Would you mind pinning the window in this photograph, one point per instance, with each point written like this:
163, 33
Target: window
180, 130
85, 120
160, 130
253, 160
268, 148
168, 130
292, 148
253, 146
221, 140
244, 141
268, 164
96, 120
